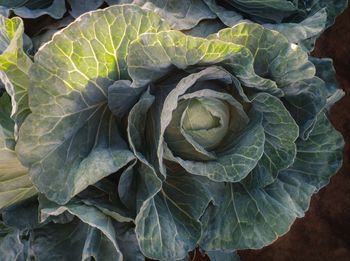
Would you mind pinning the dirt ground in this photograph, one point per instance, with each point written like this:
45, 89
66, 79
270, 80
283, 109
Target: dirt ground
324, 233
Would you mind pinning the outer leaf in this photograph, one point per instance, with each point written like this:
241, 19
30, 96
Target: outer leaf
43, 241
14, 67
103, 196
228, 17
89, 215
274, 57
67, 141
148, 181
81, 6
46, 33
121, 97
22, 215
7, 139
334, 8
259, 216
325, 70
309, 28
305, 100
154, 55
205, 28
11, 246
168, 226
127, 187
15, 184
104, 235
322, 151
268, 10
300, 21
50, 242
281, 132
180, 14
98, 246
127, 241
34, 9
85, 242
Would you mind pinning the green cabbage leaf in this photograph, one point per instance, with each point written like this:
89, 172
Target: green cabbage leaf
134, 139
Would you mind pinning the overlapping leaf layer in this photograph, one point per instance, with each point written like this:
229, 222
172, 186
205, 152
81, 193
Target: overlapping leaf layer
135, 139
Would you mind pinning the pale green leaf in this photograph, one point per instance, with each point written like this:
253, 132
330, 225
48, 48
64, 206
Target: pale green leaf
15, 184
154, 55
14, 67
274, 57
67, 140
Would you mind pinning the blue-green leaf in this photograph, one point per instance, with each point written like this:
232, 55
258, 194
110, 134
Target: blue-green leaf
167, 227
180, 14
305, 100
34, 9
325, 70
67, 141
81, 6
259, 215
11, 246
281, 132
274, 57
15, 184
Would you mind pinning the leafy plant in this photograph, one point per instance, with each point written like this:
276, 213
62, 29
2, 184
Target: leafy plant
133, 139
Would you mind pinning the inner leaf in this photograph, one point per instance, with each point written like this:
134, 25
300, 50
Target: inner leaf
206, 120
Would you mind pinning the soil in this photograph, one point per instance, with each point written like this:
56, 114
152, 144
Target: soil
324, 233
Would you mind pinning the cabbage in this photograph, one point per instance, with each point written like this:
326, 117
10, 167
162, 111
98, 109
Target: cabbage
124, 137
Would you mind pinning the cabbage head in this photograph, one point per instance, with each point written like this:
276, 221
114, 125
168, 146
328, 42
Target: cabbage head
137, 140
